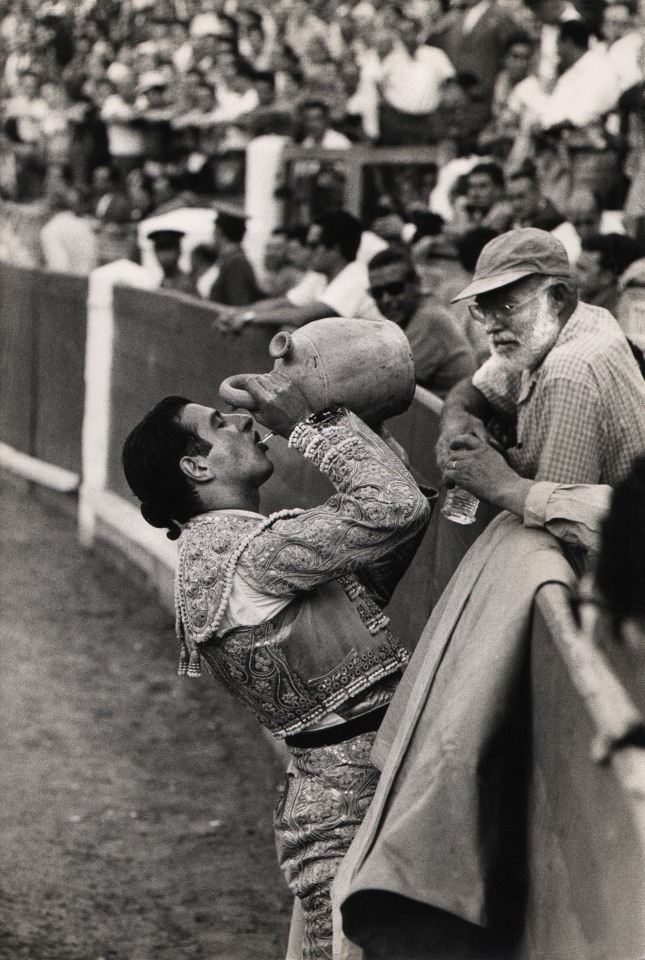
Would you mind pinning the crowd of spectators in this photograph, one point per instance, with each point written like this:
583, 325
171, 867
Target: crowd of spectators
533, 112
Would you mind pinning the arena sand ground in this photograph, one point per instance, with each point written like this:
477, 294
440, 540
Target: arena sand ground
135, 811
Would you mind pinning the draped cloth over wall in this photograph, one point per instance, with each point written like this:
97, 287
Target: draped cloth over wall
436, 869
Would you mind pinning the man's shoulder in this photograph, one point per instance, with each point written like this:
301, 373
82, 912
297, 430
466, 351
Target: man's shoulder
353, 272
432, 55
432, 312
590, 338
216, 532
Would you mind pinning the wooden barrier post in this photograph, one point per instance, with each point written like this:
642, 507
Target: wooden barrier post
98, 382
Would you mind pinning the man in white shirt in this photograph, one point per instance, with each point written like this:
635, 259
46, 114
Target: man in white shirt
334, 241
551, 14
624, 43
126, 136
587, 88
409, 85
68, 241
23, 122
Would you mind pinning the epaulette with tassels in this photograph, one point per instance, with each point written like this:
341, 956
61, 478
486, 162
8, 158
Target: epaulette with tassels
189, 656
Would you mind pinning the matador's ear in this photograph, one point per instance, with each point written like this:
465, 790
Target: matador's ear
197, 468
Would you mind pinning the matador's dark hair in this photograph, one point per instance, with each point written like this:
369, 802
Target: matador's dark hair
150, 458
621, 564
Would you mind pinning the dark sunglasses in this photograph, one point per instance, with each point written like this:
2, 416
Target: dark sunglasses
394, 289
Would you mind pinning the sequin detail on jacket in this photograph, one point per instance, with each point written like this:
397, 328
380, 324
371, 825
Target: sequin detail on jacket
333, 640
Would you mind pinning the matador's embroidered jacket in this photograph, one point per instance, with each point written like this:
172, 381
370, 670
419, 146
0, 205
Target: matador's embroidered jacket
332, 644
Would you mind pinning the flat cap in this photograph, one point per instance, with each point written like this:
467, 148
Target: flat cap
515, 255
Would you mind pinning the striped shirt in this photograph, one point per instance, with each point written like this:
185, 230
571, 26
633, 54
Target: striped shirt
580, 415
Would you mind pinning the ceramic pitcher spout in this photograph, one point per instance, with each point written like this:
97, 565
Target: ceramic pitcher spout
281, 345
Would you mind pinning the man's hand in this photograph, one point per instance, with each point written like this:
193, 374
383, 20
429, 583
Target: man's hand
478, 468
231, 321
459, 425
277, 403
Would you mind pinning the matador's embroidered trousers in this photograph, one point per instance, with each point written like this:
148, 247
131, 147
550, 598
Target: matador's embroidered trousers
325, 798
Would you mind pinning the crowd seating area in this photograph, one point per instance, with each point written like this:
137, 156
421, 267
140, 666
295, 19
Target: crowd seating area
494, 115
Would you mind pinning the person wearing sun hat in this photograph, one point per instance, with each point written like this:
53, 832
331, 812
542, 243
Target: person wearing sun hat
561, 378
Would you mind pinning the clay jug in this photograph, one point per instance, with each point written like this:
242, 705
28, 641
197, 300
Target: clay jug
364, 364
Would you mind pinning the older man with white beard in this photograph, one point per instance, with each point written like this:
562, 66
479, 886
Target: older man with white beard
438, 869
561, 375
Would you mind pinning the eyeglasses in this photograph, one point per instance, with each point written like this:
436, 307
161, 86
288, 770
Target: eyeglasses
504, 311
394, 289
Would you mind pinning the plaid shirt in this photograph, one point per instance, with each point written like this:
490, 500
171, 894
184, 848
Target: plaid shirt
580, 415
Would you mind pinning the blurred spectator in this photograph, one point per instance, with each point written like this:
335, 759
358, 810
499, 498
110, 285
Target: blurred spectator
155, 110
515, 87
409, 85
235, 285
254, 44
116, 237
529, 205
89, 143
632, 132
360, 119
442, 354
584, 219
106, 182
125, 131
314, 117
387, 224
483, 204
444, 268
435, 260
167, 248
624, 42
315, 185
475, 36
67, 239
458, 120
336, 283
516, 67
138, 186
297, 252
203, 268
550, 14
57, 126
631, 303
235, 92
23, 119
586, 90
602, 261
279, 274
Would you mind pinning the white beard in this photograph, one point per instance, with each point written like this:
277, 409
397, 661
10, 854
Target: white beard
535, 343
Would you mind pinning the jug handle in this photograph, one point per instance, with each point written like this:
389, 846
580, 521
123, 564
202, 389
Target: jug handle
232, 391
